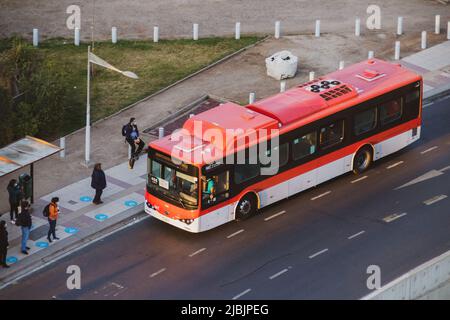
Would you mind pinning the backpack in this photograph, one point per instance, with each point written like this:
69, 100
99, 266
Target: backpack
46, 211
125, 130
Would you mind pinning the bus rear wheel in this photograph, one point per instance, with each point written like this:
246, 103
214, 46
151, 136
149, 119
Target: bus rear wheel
362, 160
246, 207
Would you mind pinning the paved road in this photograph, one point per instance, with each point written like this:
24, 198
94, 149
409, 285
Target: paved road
280, 258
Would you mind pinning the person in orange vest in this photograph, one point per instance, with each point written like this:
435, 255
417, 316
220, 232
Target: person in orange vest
53, 213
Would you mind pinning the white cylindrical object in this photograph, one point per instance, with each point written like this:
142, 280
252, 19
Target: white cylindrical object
62, 145
437, 24
341, 65
397, 50
317, 33
191, 115
312, 76
399, 26
251, 98
448, 30
357, 27
237, 31
155, 34
35, 37
423, 44
129, 151
76, 40
195, 31
277, 29
370, 55
282, 86
114, 35
160, 132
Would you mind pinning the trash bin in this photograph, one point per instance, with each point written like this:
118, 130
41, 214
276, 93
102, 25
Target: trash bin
25, 182
282, 65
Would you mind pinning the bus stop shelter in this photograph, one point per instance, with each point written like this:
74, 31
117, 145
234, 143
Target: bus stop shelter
25, 152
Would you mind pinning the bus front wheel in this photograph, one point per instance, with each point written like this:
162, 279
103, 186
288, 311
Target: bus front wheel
362, 160
246, 207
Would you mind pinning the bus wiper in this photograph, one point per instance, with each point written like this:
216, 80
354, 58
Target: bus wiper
182, 203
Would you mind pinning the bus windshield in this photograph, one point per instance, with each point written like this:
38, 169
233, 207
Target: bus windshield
177, 184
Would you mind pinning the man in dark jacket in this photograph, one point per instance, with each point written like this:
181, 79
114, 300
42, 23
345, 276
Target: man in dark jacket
98, 182
24, 221
132, 137
15, 195
3, 244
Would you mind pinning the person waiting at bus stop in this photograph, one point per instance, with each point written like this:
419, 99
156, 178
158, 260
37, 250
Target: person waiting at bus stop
53, 211
98, 183
15, 195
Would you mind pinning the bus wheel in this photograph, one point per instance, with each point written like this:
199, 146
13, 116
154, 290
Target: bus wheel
246, 207
362, 160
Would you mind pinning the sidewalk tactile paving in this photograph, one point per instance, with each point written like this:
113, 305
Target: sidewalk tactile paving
116, 207
39, 232
129, 176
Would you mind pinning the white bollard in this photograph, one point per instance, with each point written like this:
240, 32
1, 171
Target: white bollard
277, 29
191, 115
423, 44
62, 145
399, 26
237, 31
114, 35
35, 37
341, 65
370, 55
160, 132
437, 24
129, 151
448, 30
397, 50
155, 34
312, 76
357, 27
317, 33
76, 40
251, 98
282, 86
195, 31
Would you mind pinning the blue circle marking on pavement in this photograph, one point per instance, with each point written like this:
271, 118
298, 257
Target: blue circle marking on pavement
71, 230
11, 260
86, 199
101, 217
131, 203
42, 244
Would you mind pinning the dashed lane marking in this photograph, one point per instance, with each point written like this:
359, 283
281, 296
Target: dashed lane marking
275, 215
278, 274
241, 294
197, 252
321, 195
234, 234
393, 217
318, 253
157, 272
444, 169
435, 199
394, 165
429, 149
362, 178
356, 235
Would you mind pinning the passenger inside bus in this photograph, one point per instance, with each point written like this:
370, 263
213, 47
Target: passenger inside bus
210, 187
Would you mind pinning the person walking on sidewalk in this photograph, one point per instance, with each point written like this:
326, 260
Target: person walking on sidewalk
53, 213
131, 133
24, 221
3, 244
15, 195
98, 182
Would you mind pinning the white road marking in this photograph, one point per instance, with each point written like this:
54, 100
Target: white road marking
317, 253
241, 294
321, 195
427, 105
157, 272
394, 165
356, 234
236, 233
275, 215
362, 178
394, 216
429, 149
426, 176
197, 252
444, 169
435, 199
278, 274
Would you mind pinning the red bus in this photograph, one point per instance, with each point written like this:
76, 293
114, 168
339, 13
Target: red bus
338, 123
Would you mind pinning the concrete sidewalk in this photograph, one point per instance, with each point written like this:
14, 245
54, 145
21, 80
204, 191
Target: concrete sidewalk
82, 222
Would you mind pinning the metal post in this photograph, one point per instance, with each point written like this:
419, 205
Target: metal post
35, 37
437, 24
317, 33
160, 132
282, 86
32, 182
397, 50
341, 65
237, 31
424, 40
129, 151
195, 31
62, 145
155, 34
399, 26
191, 115
357, 27
277, 29
251, 98
311, 75
114, 34
88, 113
448, 30
77, 37
370, 55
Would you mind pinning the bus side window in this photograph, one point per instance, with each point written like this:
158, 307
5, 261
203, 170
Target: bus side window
365, 121
304, 146
391, 111
332, 134
215, 188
